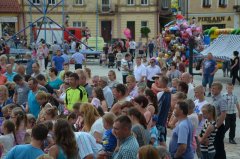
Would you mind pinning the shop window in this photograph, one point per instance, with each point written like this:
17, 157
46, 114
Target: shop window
207, 3
130, 2
222, 3
144, 2
79, 2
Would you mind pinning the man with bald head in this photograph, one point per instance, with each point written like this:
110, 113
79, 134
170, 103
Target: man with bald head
187, 78
9, 73
107, 92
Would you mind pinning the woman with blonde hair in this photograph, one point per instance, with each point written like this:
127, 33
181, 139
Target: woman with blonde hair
88, 74
4, 99
92, 121
3, 63
148, 151
12, 62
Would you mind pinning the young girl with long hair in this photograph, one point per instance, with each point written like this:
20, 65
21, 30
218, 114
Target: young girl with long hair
66, 145
208, 133
7, 141
99, 99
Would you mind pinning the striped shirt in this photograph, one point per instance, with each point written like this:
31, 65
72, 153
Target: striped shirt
232, 103
210, 147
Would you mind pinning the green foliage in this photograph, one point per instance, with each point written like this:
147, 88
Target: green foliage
174, 4
145, 31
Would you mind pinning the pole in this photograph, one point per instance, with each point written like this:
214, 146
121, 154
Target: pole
63, 21
96, 24
44, 20
31, 24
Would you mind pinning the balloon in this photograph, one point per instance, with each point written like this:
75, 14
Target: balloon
127, 33
179, 17
189, 31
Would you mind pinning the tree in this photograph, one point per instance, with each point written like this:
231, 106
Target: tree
145, 31
174, 4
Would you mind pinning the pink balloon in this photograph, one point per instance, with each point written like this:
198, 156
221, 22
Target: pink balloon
189, 31
127, 33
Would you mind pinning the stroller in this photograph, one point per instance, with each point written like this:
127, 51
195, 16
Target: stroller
111, 60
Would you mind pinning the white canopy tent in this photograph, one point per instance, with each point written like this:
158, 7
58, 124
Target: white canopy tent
223, 46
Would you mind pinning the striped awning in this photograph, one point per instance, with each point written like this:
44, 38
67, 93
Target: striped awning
223, 46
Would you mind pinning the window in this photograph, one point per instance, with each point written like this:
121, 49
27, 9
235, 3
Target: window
165, 4
36, 1
79, 24
207, 3
52, 2
79, 2
144, 24
222, 3
144, 2
105, 5
130, 2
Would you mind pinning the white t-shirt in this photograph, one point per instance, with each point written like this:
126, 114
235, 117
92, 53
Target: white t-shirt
190, 94
139, 72
8, 142
151, 71
97, 127
132, 45
198, 111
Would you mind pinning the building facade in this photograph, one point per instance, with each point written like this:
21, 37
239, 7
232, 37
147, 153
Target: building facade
211, 13
106, 18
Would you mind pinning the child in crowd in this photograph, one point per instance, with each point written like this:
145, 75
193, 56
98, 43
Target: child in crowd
109, 140
79, 122
175, 82
49, 141
99, 99
119, 57
154, 132
31, 121
7, 141
72, 118
103, 59
208, 133
232, 108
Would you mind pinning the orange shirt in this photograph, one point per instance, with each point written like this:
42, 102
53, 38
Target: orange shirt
3, 79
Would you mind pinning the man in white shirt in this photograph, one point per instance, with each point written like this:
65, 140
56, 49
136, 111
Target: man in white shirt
186, 77
152, 70
139, 71
132, 47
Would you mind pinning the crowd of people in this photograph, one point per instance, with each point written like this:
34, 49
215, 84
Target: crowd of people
61, 113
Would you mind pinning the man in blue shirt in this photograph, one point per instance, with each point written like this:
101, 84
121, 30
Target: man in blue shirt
33, 150
78, 59
9, 73
208, 70
180, 145
58, 61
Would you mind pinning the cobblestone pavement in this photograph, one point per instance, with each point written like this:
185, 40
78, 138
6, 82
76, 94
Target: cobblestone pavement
233, 151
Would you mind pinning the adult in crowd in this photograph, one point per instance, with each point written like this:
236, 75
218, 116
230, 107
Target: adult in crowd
173, 72
209, 69
65, 144
139, 70
65, 56
235, 67
127, 143
139, 126
9, 73
180, 145
78, 59
46, 55
127, 67
32, 105
112, 78
221, 108
74, 94
3, 63
29, 64
4, 99
152, 70
83, 82
32, 150
95, 81
42, 81
13, 63
119, 92
132, 47
58, 61
164, 104
151, 48
35, 70
186, 77
132, 87
54, 81
3, 78
55, 47
107, 92
21, 90
21, 70
148, 151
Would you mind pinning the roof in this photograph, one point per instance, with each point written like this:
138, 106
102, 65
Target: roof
223, 46
9, 6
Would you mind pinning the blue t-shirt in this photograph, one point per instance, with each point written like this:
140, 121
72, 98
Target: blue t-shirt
10, 76
24, 152
58, 62
56, 83
154, 134
109, 141
182, 134
34, 107
209, 66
